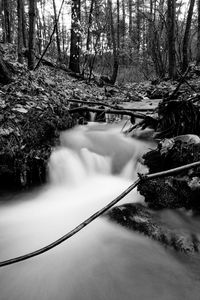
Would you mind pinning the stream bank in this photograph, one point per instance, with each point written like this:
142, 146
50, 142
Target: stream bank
34, 109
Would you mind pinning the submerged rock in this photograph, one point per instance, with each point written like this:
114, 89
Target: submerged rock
171, 228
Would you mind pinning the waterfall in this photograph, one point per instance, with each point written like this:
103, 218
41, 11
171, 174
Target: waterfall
103, 261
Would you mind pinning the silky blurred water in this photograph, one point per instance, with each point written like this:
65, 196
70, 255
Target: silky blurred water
103, 261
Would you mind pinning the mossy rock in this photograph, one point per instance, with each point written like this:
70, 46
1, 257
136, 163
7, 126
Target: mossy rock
25, 150
137, 217
166, 192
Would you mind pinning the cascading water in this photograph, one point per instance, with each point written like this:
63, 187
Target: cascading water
103, 261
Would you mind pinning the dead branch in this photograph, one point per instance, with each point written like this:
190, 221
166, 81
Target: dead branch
94, 103
98, 213
109, 105
107, 111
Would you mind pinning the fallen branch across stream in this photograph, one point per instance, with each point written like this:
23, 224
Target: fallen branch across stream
98, 213
109, 105
107, 111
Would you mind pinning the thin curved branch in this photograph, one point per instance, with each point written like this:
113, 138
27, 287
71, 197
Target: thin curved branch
97, 214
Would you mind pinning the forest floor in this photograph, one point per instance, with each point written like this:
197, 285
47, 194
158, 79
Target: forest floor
37, 105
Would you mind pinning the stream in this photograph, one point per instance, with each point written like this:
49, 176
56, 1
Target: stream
103, 261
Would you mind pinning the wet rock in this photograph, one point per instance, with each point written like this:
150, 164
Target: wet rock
25, 150
174, 152
178, 118
166, 192
183, 190
139, 218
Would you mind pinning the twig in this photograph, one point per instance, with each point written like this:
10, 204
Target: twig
98, 213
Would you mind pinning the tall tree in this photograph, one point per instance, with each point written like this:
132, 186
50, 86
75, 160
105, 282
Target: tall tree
32, 33
154, 41
24, 26
20, 30
89, 25
57, 31
130, 9
6, 22
138, 24
186, 36
123, 25
198, 33
171, 13
74, 63
88, 40
115, 50
118, 25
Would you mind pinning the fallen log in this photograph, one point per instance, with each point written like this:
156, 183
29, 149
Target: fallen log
109, 105
108, 111
94, 103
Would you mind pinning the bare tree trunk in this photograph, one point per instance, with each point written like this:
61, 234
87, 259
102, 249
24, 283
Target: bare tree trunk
20, 30
186, 36
24, 27
171, 11
32, 33
198, 33
64, 34
88, 35
43, 4
89, 26
7, 30
138, 24
39, 33
115, 52
74, 63
57, 31
118, 24
124, 24
130, 28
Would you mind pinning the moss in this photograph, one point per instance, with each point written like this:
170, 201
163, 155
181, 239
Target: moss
166, 192
25, 152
